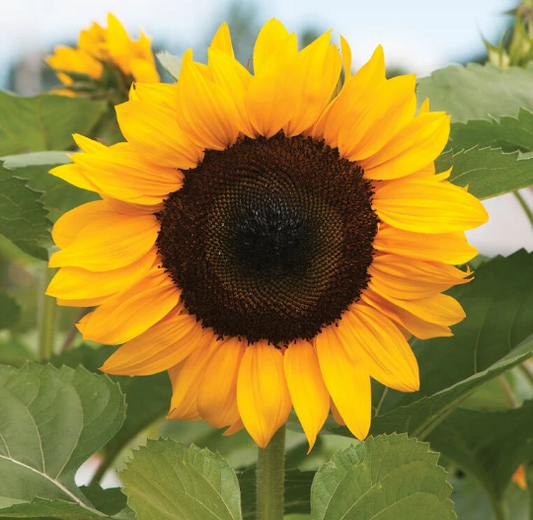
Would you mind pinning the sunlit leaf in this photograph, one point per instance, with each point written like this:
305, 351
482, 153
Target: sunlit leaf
148, 398
58, 195
53, 420
390, 477
171, 63
168, 480
23, 219
45, 122
488, 172
478, 91
507, 132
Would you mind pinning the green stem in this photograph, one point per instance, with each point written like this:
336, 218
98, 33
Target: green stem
508, 391
525, 207
47, 318
497, 509
102, 469
525, 370
271, 477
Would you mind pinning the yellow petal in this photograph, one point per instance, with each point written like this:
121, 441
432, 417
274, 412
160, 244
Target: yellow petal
320, 65
186, 378
144, 70
374, 340
424, 318
90, 302
133, 311
123, 174
417, 144
69, 225
217, 395
412, 279
109, 243
387, 110
425, 205
270, 37
88, 145
450, 248
75, 175
207, 112
132, 209
222, 40
118, 43
83, 321
158, 93
142, 125
335, 414
234, 428
519, 477
262, 394
346, 58
352, 98
347, 381
234, 78
74, 60
272, 95
308, 391
424, 107
159, 348
74, 283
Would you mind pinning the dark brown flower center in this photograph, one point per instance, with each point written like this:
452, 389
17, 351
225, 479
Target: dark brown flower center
269, 239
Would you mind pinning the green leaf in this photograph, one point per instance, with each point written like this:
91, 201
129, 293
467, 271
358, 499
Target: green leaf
148, 397
488, 445
40, 508
107, 502
172, 64
9, 311
488, 172
508, 133
45, 122
14, 352
59, 196
390, 477
168, 480
496, 335
297, 492
472, 503
53, 420
478, 91
23, 220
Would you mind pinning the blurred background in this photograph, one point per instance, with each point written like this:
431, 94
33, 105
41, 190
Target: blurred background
418, 36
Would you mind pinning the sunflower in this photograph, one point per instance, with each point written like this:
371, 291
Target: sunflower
99, 48
270, 239
519, 477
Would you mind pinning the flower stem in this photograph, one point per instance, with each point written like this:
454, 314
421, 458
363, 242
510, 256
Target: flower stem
525, 207
47, 318
271, 477
498, 509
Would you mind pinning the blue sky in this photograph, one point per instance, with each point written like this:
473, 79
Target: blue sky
421, 35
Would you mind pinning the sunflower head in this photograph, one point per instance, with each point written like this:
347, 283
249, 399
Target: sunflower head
270, 239
105, 58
